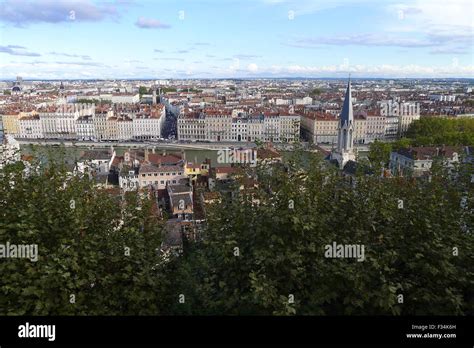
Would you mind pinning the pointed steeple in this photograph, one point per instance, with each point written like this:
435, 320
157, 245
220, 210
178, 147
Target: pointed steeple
345, 136
347, 115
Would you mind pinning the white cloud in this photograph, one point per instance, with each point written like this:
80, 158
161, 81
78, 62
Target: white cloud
60, 70
427, 14
384, 70
253, 68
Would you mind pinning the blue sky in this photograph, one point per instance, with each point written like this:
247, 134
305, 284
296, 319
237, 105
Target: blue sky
231, 38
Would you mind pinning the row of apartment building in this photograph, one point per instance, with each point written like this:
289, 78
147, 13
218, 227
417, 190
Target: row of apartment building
224, 125
88, 123
322, 127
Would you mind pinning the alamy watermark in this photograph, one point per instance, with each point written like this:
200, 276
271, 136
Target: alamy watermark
345, 251
37, 331
241, 156
20, 251
399, 109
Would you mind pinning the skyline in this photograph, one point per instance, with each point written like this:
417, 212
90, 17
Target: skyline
82, 39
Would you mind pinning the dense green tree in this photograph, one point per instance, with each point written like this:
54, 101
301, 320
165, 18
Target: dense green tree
142, 90
441, 131
316, 91
409, 249
82, 235
262, 252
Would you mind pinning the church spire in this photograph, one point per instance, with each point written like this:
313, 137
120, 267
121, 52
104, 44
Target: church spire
345, 136
347, 115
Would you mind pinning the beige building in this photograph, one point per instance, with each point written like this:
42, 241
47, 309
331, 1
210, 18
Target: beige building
11, 124
375, 128
322, 127
100, 122
111, 130
160, 176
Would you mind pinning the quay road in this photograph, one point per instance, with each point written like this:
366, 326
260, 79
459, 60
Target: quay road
167, 144
138, 144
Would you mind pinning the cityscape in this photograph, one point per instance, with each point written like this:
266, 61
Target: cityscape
258, 158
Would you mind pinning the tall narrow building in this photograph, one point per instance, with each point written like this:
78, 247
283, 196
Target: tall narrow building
345, 135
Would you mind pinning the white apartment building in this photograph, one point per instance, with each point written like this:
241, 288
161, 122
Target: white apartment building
215, 127
85, 128
303, 101
443, 97
125, 129
149, 125
238, 130
392, 127
30, 127
281, 102
255, 128
417, 161
122, 98
224, 127
61, 123
194, 128
271, 128
128, 180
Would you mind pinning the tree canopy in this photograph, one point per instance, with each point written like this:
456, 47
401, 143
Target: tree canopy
262, 252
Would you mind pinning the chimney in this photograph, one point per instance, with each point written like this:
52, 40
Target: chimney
146, 154
153, 149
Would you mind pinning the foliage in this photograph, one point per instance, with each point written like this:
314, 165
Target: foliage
441, 131
260, 248
142, 90
379, 152
427, 131
316, 91
81, 249
168, 90
408, 251
468, 102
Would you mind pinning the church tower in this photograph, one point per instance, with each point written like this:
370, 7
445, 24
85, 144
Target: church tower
345, 135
